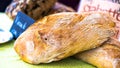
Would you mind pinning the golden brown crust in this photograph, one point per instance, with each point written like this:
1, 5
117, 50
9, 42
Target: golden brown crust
106, 56
61, 35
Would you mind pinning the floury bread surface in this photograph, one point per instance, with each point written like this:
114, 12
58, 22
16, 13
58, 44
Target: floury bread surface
105, 56
61, 35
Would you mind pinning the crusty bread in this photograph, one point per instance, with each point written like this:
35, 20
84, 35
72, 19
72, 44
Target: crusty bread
106, 56
61, 35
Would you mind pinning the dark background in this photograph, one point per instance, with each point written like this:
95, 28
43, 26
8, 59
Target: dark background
4, 4
71, 3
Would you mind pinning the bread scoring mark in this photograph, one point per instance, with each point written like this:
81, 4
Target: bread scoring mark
115, 62
107, 57
62, 22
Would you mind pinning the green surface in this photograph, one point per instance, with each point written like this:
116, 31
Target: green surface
9, 59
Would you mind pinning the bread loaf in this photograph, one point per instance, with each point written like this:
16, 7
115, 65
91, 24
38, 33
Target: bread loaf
106, 56
61, 35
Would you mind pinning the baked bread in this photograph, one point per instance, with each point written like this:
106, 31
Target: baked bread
61, 35
33, 8
106, 56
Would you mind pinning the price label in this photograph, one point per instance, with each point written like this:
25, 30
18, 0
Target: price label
20, 24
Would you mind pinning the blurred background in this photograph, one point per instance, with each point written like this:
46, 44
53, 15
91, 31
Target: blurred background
71, 3
4, 4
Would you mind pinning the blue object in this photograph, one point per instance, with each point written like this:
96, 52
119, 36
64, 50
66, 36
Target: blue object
20, 24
